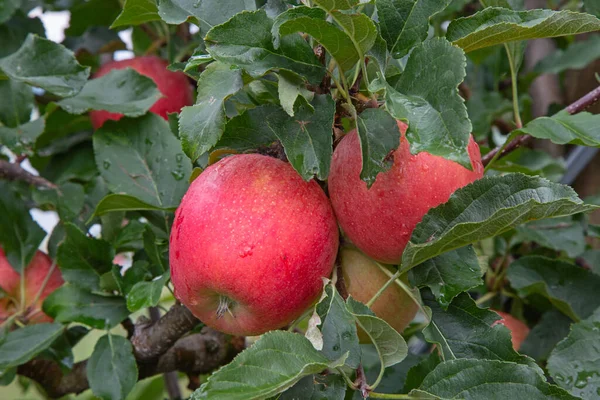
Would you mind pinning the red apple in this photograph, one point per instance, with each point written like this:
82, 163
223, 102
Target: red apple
174, 86
517, 328
380, 220
363, 278
250, 245
35, 274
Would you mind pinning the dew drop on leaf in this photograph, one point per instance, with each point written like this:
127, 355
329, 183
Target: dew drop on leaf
106, 164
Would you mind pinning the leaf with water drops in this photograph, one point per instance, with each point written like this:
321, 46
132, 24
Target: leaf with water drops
141, 158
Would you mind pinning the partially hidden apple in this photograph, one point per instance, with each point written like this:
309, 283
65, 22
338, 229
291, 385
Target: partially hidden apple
363, 278
174, 86
34, 275
517, 328
250, 244
380, 220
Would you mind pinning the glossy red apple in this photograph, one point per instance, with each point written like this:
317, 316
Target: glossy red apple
174, 86
380, 220
34, 275
250, 245
517, 328
363, 278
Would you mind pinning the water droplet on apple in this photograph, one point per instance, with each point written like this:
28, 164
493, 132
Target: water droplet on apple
246, 251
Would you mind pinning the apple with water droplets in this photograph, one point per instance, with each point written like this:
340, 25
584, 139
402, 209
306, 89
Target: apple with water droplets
251, 244
174, 86
29, 302
380, 220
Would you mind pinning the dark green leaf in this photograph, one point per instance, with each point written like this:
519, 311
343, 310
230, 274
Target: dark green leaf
532, 162
141, 158
22, 138
379, 135
574, 362
71, 304
112, 370
20, 236
592, 7
417, 374
250, 130
41, 62
246, 41
273, 364
146, 294
77, 164
123, 202
156, 252
552, 327
404, 23
138, 272
493, 26
290, 88
82, 259
571, 289
17, 103
577, 56
486, 208
201, 125
317, 387
67, 199
21, 345
130, 237
592, 258
14, 32
466, 331
564, 128
137, 12
449, 274
122, 91
92, 13
427, 97
482, 379
561, 234
390, 345
338, 328
208, 12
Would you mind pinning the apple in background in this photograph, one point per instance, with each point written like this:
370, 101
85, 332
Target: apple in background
363, 278
250, 244
517, 328
35, 274
174, 86
380, 220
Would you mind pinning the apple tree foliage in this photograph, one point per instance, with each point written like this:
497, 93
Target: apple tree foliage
298, 74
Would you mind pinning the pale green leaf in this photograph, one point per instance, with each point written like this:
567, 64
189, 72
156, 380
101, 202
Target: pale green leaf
112, 370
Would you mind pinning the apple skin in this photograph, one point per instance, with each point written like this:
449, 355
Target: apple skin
363, 278
517, 328
380, 220
34, 276
250, 230
174, 86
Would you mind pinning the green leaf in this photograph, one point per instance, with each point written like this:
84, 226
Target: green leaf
92, 13
493, 26
82, 259
156, 251
208, 12
573, 364
561, 234
273, 364
231, 43
571, 289
466, 331
201, 125
532, 162
404, 23
592, 257
390, 345
552, 328
146, 294
317, 387
332, 5
486, 208
138, 272
379, 135
449, 274
111, 370
20, 235
419, 372
338, 328
426, 96
14, 32
249, 130
137, 12
72, 304
577, 56
8, 8
564, 128
77, 164
123, 202
122, 91
592, 7
290, 88
68, 199
482, 379
21, 139
21, 345
17, 103
141, 158
43, 63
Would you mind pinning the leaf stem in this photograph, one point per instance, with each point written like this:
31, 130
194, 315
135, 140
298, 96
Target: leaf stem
384, 287
486, 297
515, 90
376, 395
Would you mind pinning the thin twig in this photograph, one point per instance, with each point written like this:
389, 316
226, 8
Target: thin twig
14, 172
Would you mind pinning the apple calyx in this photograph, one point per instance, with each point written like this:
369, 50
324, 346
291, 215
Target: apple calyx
225, 306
